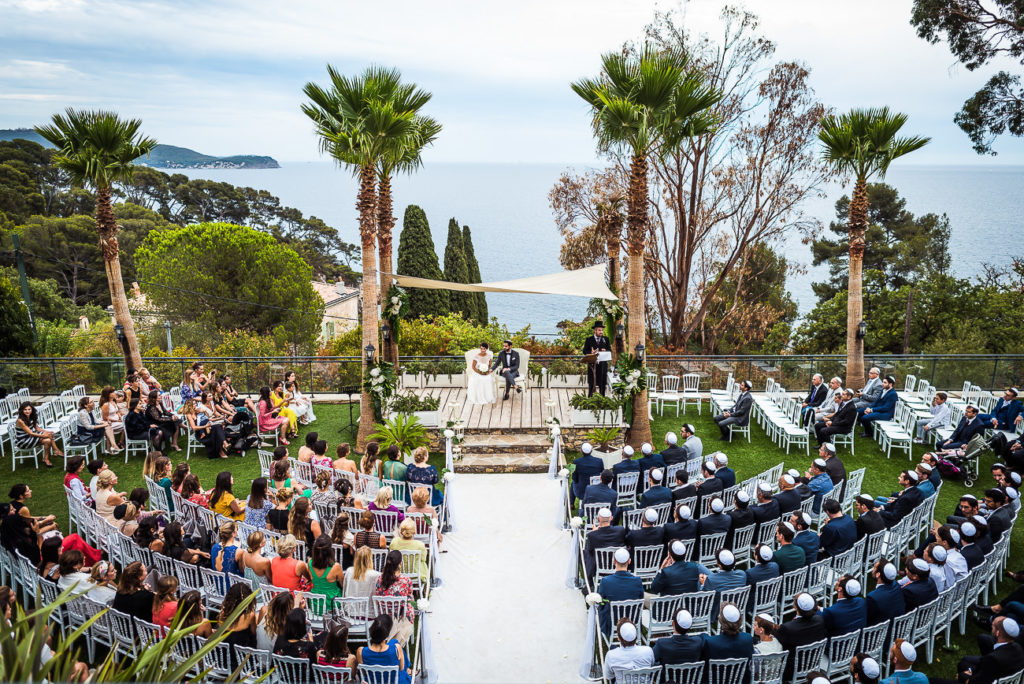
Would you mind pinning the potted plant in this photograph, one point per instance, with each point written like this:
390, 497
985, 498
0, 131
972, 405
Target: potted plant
602, 438
425, 407
411, 375
597, 410
403, 430
445, 373
565, 373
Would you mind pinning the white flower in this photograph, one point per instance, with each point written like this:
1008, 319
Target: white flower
594, 599
423, 605
374, 372
449, 476
396, 300
555, 430
563, 473
576, 523
377, 380
634, 374
449, 433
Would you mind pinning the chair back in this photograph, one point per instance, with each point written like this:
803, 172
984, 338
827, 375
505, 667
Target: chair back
727, 671
684, 673
255, 662
631, 609
807, 658
663, 612
872, 640
604, 561
290, 669
699, 605
768, 668
766, 595
330, 674
395, 606
710, 544
640, 675
669, 385
841, 650
647, 561
385, 522
378, 674
739, 597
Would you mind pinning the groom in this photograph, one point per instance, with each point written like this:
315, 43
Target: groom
508, 361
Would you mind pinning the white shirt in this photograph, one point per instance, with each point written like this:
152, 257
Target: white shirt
940, 416
82, 578
627, 658
104, 594
957, 563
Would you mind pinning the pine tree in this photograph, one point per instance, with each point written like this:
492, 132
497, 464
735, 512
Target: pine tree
455, 271
473, 267
416, 257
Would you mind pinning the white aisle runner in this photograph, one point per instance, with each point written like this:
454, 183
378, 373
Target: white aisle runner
504, 613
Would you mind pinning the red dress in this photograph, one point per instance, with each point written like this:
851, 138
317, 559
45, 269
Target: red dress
268, 422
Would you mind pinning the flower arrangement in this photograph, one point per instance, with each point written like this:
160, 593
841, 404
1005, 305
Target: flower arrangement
379, 381
576, 522
563, 473
632, 381
594, 599
395, 307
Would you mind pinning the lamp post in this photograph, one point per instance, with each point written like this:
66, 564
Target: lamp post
862, 330
385, 331
369, 349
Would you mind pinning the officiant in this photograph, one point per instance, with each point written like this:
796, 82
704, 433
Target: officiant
597, 371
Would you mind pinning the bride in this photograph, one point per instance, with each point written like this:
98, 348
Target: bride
481, 382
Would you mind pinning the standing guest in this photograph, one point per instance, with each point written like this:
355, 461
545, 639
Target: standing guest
382, 650
680, 647
423, 473
73, 478
886, 601
597, 371
586, 466
627, 656
765, 569
360, 579
285, 570
621, 585
804, 537
28, 434
764, 630
165, 601
731, 641
133, 597
738, 414
869, 520
840, 532
939, 411
258, 505
849, 612
872, 390
147, 383
903, 655
673, 453
393, 468
789, 556
268, 417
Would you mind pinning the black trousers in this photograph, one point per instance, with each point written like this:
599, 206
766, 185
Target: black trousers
597, 377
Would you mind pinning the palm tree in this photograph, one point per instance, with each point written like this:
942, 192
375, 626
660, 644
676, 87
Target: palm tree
359, 120
98, 148
609, 228
862, 143
641, 102
404, 158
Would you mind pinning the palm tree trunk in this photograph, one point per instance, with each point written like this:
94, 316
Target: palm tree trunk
107, 227
855, 296
640, 429
385, 228
615, 283
367, 232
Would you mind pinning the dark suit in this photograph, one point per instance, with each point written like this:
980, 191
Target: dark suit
597, 373
904, 504
645, 536
740, 518
684, 530
761, 572
1005, 412
678, 578
687, 491
815, 397
739, 414
713, 523
649, 461
678, 649
919, 593
767, 511
510, 360
845, 616
963, 433
837, 536
997, 663
600, 493
885, 603
799, 631
842, 423
586, 467
727, 476
788, 500
973, 554
619, 586
999, 521
810, 543
708, 487
882, 409
722, 646
673, 454
656, 495
869, 523
601, 538
626, 466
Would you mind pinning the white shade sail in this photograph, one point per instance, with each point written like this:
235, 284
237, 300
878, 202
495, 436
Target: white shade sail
585, 282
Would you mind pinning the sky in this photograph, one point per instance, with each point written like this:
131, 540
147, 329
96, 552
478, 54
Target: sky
225, 76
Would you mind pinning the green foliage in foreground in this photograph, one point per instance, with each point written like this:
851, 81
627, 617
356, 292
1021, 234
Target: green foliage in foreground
403, 430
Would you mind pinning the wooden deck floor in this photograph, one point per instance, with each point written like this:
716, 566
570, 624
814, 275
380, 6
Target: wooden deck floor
527, 410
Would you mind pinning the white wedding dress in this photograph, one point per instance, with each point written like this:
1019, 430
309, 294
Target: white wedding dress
480, 387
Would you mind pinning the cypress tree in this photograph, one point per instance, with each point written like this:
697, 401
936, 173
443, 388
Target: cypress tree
480, 300
416, 257
455, 271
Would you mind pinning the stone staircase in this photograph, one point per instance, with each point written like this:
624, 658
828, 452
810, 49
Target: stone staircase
513, 450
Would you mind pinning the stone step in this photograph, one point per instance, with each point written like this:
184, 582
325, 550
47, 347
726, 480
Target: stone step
506, 444
503, 463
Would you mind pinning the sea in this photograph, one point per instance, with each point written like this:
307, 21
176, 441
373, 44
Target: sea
514, 234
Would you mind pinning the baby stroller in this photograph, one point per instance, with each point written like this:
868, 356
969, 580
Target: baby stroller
963, 463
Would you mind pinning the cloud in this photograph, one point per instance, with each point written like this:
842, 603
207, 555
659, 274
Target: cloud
36, 70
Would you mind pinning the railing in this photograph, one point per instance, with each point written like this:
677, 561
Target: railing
342, 374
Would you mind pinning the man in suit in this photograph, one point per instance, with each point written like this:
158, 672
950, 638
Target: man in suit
741, 516
597, 373
886, 601
840, 532
649, 533
601, 493
970, 425
714, 522
731, 641
621, 585
767, 508
972, 553
603, 535
872, 390
1000, 517
725, 577
1004, 658
788, 499
833, 397
789, 556
680, 647
1007, 413
815, 398
678, 575
869, 521
627, 464
849, 612
673, 453
807, 627
920, 589
834, 467
656, 493
905, 502
765, 569
739, 414
839, 423
586, 466
508, 360
903, 655
684, 527
683, 489
883, 408
710, 485
691, 442
648, 459
805, 538
722, 470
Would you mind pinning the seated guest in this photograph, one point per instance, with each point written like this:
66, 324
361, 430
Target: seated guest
604, 535
649, 533
819, 482
419, 473
1000, 516
683, 489
691, 442
680, 647
834, 467
840, 532
924, 482
730, 642
294, 640
715, 522
382, 650
1006, 416
935, 556
684, 527
393, 468
90, 430
722, 470
673, 453
165, 601
741, 516
903, 655
840, 422
886, 601
849, 612
788, 498
710, 485
285, 571
393, 584
802, 490
1001, 655
627, 464
767, 508
865, 669
360, 579
405, 541
807, 627
905, 501
956, 565
677, 575
804, 537
872, 390
738, 414
971, 424
883, 408
982, 537
764, 630
385, 502
628, 656
833, 398
765, 569
649, 460
939, 418
920, 589
815, 398
789, 556
656, 493
727, 576
601, 493
586, 466
869, 520
133, 596
621, 585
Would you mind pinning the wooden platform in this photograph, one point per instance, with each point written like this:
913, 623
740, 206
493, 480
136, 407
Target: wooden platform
526, 411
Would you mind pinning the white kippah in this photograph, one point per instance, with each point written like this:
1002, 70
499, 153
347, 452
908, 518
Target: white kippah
908, 651
793, 473
604, 513
820, 462
628, 450
1015, 478
939, 553
689, 428
684, 512
806, 517
789, 526
1012, 494
889, 571
789, 479
925, 467
671, 438
710, 465
725, 557
955, 536
656, 474
731, 613
919, 564
979, 519
684, 619
829, 447
627, 631
820, 680
969, 497
1011, 628
852, 588
764, 487
717, 505
721, 459
869, 666
743, 497
765, 616
766, 553
805, 601
586, 448
911, 475
622, 555
651, 515
646, 448
678, 548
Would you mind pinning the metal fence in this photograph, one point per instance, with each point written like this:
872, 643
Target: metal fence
341, 374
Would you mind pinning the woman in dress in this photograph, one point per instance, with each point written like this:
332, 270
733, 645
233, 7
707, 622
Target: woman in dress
160, 418
211, 435
28, 434
361, 579
335, 651
285, 571
225, 554
392, 583
269, 418
369, 464
111, 414
284, 409
257, 506
323, 494
303, 405
105, 497
192, 491
91, 431
255, 566
343, 462
73, 478
305, 454
300, 524
481, 384
367, 536
193, 612
422, 473
324, 571
165, 602
345, 497
223, 501
382, 650
103, 582
421, 504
